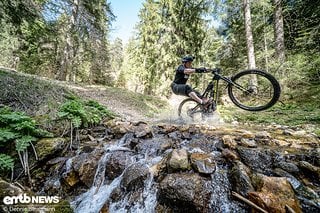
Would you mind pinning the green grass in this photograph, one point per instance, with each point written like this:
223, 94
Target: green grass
301, 107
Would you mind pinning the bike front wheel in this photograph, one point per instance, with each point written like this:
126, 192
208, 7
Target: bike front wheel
254, 90
190, 110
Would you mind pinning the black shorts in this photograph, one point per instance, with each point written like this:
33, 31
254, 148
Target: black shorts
182, 89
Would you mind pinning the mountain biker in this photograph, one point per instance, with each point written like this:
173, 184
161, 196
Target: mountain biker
179, 86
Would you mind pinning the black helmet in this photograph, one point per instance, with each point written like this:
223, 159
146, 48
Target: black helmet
187, 58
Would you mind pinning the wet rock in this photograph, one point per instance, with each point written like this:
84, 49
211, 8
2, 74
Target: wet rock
165, 128
203, 163
48, 147
287, 166
142, 130
206, 144
248, 143
273, 194
86, 166
260, 160
116, 163
240, 178
230, 155
185, 193
83, 168
298, 187
310, 170
178, 160
134, 177
229, 142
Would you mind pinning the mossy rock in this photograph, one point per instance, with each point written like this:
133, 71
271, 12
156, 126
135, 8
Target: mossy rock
47, 147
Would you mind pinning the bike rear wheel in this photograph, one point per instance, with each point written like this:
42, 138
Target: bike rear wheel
190, 110
254, 90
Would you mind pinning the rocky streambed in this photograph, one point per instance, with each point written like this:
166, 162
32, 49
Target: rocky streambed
122, 166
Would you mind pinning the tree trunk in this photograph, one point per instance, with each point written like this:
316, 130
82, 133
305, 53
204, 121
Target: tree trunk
250, 46
68, 53
278, 31
249, 37
73, 45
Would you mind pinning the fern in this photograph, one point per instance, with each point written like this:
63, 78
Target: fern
24, 142
7, 135
6, 162
20, 129
82, 114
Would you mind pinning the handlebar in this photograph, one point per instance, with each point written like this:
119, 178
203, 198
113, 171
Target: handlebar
214, 71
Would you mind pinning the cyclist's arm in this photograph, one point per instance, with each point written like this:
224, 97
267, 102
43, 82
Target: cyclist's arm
189, 70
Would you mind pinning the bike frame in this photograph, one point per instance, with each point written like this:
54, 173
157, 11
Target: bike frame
213, 86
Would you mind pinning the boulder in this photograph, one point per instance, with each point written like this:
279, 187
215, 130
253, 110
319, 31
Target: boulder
185, 192
260, 160
134, 177
273, 194
116, 163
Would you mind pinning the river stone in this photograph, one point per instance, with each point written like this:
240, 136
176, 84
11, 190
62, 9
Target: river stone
229, 142
298, 187
118, 127
230, 155
257, 159
142, 130
134, 177
310, 170
240, 178
185, 192
178, 160
83, 168
289, 167
273, 194
203, 163
248, 143
116, 163
47, 147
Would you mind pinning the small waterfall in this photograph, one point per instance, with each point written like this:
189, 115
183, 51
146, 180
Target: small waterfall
146, 203
94, 199
221, 200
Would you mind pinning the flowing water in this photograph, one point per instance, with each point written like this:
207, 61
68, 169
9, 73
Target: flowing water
99, 194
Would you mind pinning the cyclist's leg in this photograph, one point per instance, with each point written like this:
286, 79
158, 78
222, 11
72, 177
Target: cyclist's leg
195, 95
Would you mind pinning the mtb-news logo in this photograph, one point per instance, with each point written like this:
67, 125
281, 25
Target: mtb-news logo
25, 199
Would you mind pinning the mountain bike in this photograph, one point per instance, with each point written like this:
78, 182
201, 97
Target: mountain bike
252, 90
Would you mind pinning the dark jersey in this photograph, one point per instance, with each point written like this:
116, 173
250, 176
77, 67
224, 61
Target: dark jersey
181, 77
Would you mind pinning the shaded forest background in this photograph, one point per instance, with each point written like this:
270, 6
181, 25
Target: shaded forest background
69, 40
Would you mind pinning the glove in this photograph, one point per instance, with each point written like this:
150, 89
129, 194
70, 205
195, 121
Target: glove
200, 70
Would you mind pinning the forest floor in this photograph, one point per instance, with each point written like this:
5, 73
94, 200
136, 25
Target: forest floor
38, 96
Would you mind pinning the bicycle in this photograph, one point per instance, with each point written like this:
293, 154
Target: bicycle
252, 90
